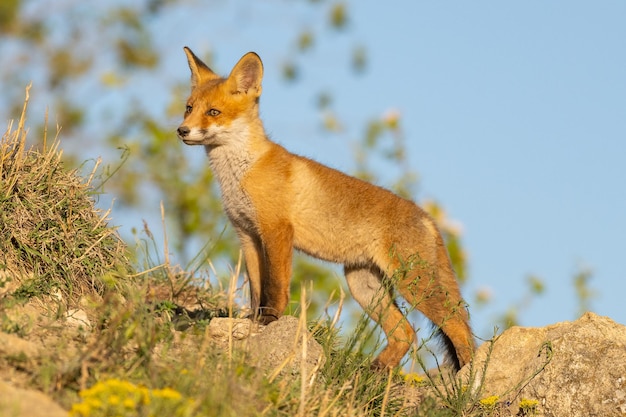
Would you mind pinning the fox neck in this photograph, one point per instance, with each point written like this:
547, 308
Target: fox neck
240, 146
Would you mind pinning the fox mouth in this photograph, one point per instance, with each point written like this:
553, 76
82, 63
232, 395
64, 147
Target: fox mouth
204, 139
188, 141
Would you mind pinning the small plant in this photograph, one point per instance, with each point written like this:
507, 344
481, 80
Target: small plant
115, 397
527, 407
489, 404
413, 379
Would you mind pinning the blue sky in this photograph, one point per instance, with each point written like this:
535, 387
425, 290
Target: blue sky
514, 115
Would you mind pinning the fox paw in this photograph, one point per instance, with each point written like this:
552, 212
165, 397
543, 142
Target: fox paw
261, 318
266, 319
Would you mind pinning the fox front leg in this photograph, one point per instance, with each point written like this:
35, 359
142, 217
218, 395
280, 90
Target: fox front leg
253, 255
276, 274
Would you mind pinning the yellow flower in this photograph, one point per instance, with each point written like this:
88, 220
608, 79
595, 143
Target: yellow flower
80, 409
94, 403
116, 397
145, 397
167, 393
525, 403
528, 407
489, 403
413, 379
392, 119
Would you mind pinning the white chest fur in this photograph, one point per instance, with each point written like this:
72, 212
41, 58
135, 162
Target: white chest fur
230, 164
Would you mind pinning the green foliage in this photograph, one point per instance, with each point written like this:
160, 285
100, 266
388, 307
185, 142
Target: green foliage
338, 16
359, 59
9, 19
134, 49
8, 15
535, 288
305, 40
583, 292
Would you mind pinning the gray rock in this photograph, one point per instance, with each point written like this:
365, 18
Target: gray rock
221, 327
277, 348
571, 368
18, 402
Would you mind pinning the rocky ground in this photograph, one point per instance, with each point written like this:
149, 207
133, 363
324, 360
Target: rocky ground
566, 369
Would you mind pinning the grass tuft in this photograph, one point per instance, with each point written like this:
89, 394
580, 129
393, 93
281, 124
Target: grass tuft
52, 238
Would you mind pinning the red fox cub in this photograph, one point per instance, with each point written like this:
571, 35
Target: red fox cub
278, 201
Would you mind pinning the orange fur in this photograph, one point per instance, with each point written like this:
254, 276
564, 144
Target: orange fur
278, 201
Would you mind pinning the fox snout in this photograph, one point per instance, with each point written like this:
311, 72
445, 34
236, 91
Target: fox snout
183, 132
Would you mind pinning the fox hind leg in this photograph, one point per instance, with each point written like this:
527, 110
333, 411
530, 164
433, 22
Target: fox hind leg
436, 294
366, 286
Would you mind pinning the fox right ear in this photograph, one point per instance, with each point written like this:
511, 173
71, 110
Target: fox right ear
200, 72
247, 74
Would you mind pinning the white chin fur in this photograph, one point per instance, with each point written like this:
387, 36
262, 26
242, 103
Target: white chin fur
234, 134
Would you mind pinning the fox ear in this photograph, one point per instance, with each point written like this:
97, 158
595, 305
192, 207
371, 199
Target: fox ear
200, 72
246, 76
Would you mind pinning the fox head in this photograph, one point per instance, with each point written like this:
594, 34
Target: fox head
220, 109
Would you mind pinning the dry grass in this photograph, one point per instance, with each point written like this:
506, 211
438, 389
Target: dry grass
52, 238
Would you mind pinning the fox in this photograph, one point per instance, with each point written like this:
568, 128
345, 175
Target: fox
278, 201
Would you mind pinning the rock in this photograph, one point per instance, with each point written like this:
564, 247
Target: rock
78, 319
221, 327
13, 346
277, 348
18, 402
571, 368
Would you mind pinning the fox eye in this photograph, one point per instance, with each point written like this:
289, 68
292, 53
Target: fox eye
188, 109
213, 112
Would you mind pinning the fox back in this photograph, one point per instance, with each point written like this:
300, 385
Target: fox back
278, 201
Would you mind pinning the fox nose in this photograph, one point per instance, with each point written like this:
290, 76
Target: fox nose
183, 131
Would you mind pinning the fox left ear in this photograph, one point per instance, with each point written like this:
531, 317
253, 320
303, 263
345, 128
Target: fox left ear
246, 76
200, 72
